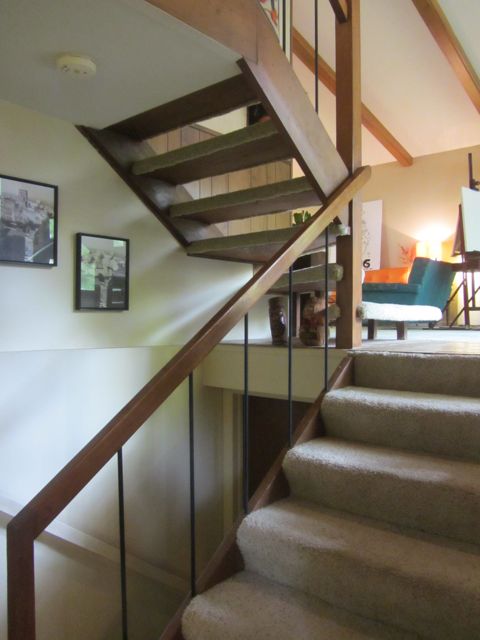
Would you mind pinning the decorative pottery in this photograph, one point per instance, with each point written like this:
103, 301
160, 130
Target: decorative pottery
312, 327
278, 320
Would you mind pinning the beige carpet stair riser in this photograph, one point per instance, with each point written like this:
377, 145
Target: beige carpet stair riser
421, 586
399, 487
423, 422
380, 537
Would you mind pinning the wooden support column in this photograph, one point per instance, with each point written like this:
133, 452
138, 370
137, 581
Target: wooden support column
349, 145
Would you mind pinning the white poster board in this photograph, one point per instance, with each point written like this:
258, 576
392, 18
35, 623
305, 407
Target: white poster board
471, 219
371, 234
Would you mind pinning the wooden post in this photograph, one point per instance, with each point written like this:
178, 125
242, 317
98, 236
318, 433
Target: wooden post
349, 248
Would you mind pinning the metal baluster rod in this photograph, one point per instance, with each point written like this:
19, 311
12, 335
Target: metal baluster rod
193, 539
246, 461
290, 354
123, 566
325, 354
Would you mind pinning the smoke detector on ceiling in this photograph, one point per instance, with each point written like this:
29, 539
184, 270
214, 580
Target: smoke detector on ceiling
76, 65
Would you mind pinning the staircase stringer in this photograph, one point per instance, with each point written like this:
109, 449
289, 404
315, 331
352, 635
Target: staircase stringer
120, 151
238, 24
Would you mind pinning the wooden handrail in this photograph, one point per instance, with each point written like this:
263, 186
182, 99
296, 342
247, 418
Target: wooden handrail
27, 525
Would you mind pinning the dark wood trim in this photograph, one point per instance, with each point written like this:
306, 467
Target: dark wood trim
214, 100
340, 8
349, 145
306, 53
372, 329
438, 25
27, 525
401, 330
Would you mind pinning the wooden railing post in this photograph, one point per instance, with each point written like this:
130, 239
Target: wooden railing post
21, 585
349, 113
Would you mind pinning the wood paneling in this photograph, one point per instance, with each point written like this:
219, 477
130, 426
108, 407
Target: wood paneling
305, 52
448, 42
268, 433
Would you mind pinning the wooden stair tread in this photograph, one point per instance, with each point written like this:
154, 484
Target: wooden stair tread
257, 247
214, 100
270, 198
309, 279
248, 147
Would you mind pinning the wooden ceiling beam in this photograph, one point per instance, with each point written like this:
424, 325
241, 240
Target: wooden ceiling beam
440, 28
340, 8
305, 52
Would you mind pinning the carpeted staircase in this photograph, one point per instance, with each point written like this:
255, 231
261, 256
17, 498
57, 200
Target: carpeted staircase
378, 537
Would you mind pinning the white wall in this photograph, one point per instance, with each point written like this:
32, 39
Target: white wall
66, 373
420, 202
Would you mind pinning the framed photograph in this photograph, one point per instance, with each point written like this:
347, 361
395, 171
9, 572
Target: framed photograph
28, 221
101, 273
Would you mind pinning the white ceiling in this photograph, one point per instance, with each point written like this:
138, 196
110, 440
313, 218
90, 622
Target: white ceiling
406, 80
145, 58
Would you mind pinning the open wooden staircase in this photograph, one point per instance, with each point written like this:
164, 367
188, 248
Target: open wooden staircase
159, 179
294, 131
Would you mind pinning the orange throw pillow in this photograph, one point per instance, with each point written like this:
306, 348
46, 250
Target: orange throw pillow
393, 275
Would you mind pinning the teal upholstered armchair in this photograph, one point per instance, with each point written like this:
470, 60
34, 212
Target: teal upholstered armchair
429, 283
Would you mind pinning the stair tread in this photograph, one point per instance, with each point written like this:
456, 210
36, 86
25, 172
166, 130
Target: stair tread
423, 583
249, 606
257, 144
429, 373
425, 422
214, 100
396, 486
256, 247
246, 203
310, 278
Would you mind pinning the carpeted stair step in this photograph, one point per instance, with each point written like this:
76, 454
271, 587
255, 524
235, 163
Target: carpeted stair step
214, 100
248, 147
256, 247
425, 422
427, 373
246, 203
425, 585
309, 279
248, 606
435, 495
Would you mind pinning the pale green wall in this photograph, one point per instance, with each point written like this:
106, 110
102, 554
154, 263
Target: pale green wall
172, 295
66, 373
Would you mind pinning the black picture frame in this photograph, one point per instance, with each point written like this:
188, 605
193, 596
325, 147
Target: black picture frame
28, 222
101, 273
